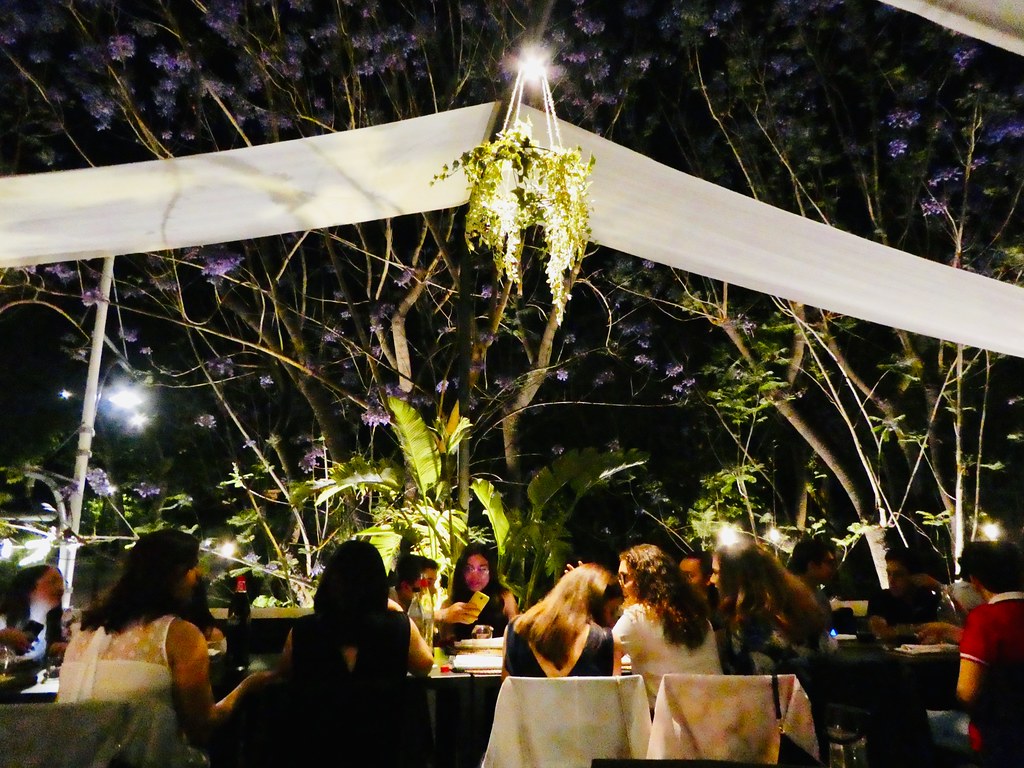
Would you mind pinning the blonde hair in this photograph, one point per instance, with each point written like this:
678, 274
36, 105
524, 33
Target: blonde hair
553, 625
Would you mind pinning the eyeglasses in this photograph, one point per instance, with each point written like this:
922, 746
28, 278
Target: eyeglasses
483, 570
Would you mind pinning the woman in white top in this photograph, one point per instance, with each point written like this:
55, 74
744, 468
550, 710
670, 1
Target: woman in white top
132, 645
665, 626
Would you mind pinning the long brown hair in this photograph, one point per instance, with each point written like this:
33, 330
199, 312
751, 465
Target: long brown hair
552, 626
754, 585
661, 588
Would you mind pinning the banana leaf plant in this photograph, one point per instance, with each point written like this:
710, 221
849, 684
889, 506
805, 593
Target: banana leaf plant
533, 544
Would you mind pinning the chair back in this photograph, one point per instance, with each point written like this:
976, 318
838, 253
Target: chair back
729, 717
568, 722
94, 734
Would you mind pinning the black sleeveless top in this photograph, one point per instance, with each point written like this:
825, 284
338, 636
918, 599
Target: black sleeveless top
597, 659
354, 711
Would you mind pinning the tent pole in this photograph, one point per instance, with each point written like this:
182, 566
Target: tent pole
69, 539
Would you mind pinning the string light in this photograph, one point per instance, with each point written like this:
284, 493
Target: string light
727, 536
991, 531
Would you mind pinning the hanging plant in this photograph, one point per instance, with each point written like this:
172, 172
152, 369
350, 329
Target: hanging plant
516, 184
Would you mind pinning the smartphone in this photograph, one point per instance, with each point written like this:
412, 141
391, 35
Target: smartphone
478, 601
32, 629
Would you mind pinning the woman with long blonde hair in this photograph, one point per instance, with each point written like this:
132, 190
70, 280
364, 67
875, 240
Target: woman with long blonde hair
769, 612
665, 626
561, 635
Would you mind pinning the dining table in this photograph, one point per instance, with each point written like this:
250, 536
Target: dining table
896, 684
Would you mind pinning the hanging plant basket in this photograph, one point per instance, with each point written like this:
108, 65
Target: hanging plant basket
515, 185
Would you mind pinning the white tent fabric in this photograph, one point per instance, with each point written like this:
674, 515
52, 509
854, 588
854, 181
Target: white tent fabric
999, 22
649, 210
291, 186
640, 207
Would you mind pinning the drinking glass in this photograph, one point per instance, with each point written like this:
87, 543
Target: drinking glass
7, 657
847, 744
483, 632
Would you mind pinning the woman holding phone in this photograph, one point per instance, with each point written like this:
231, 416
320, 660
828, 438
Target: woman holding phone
476, 571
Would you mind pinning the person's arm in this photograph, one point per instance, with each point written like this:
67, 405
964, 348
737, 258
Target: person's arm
887, 632
14, 639
189, 663
617, 658
970, 681
939, 632
421, 660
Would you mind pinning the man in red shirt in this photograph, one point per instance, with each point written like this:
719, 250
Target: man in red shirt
991, 681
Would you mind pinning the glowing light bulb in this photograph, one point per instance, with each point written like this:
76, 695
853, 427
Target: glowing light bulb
227, 549
774, 535
126, 399
532, 67
727, 536
991, 531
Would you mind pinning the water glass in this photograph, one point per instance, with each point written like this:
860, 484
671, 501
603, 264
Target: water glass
483, 632
7, 657
846, 728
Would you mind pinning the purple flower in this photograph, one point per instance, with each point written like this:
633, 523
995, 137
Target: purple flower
130, 335
63, 271
933, 207
206, 421
220, 264
92, 297
903, 118
147, 490
266, 381
99, 482
442, 386
121, 47
562, 375
310, 460
375, 416
222, 367
897, 148
674, 369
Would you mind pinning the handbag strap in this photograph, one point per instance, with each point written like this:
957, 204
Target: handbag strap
776, 700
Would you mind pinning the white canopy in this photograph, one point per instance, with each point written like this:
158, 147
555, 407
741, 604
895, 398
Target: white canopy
999, 22
640, 207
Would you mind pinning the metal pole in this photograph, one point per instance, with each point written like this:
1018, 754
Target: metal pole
69, 543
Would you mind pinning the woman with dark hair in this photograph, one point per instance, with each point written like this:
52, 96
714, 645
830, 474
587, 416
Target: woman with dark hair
351, 632
346, 667
476, 571
768, 612
30, 612
665, 627
131, 643
561, 635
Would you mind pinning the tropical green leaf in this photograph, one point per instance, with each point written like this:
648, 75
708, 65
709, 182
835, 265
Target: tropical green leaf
494, 509
418, 445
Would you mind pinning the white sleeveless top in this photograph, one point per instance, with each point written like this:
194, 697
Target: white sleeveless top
131, 664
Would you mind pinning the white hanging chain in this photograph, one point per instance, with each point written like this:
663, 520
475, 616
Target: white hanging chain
512, 115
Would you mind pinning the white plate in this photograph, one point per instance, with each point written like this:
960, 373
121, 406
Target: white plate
492, 643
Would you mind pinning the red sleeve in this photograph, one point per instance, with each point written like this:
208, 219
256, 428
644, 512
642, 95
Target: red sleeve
975, 644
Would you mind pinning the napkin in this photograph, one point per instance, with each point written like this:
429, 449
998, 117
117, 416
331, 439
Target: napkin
914, 648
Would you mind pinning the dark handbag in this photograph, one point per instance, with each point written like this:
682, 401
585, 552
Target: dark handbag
790, 753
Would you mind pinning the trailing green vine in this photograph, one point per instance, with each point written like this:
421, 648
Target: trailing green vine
517, 184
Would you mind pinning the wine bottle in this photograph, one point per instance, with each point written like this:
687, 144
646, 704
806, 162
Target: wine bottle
237, 629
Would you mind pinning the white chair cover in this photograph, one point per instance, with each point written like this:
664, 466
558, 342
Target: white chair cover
90, 734
728, 717
568, 722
